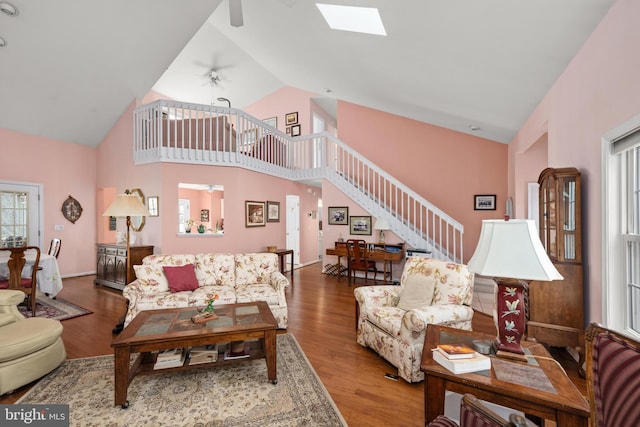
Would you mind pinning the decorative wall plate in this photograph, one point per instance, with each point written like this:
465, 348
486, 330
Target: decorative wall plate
71, 209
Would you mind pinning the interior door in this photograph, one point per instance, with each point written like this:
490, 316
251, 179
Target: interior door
293, 226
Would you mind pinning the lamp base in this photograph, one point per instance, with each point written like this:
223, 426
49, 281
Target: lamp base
509, 316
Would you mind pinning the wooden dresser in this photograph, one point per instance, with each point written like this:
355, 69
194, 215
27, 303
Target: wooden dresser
111, 266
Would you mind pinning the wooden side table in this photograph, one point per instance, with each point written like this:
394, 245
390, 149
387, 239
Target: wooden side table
282, 253
540, 388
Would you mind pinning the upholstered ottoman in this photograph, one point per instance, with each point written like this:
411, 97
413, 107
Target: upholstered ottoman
29, 349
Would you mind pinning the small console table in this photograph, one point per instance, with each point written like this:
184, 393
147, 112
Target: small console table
282, 253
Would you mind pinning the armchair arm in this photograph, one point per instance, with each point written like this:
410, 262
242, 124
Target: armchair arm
414, 322
380, 296
9, 300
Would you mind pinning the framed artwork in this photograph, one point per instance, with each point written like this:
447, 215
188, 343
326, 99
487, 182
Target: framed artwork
273, 211
360, 225
71, 209
254, 214
288, 130
291, 119
271, 121
295, 130
204, 215
338, 215
484, 202
152, 206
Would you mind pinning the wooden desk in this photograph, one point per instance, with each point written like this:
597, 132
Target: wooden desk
377, 255
281, 254
562, 402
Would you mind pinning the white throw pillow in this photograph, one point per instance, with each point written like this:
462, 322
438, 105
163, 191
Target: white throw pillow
152, 277
417, 291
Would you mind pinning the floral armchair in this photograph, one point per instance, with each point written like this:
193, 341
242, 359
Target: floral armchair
392, 320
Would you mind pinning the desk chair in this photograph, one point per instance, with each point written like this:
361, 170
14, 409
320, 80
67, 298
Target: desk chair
15, 281
54, 247
358, 254
613, 377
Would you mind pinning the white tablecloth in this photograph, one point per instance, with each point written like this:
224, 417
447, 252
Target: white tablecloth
49, 280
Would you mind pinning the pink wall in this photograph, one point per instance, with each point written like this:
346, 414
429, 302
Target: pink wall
64, 169
445, 167
598, 91
281, 102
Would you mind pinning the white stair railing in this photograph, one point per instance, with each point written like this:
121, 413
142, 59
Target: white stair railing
170, 131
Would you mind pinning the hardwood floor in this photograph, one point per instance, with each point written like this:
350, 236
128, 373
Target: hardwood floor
321, 317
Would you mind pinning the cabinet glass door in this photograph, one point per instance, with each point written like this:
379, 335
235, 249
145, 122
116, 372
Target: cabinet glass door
568, 203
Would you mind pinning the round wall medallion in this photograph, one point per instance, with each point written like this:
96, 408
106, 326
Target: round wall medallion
71, 209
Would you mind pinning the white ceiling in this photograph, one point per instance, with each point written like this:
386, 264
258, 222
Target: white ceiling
71, 67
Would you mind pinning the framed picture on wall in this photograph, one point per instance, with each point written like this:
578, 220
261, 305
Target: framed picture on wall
291, 119
254, 214
360, 225
484, 202
273, 211
204, 215
338, 215
271, 121
152, 206
295, 130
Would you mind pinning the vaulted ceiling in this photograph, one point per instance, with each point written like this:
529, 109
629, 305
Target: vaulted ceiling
70, 68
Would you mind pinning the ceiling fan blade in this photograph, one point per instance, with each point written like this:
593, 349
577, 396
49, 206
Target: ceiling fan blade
235, 13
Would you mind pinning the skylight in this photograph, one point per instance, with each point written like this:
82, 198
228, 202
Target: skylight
350, 18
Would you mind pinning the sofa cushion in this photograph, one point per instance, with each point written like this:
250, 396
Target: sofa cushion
151, 278
169, 259
215, 269
417, 291
181, 278
255, 268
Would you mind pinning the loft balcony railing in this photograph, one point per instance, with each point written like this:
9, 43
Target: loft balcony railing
178, 132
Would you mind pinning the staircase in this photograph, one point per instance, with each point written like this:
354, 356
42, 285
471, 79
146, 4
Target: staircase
178, 132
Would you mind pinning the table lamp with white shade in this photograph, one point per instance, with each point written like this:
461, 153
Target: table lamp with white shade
511, 252
381, 225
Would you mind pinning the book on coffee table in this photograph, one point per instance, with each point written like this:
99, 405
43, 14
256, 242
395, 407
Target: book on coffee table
170, 359
478, 362
230, 355
203, 354
456, 351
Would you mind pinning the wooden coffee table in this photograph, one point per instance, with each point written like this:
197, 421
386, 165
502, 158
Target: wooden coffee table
154, 330
539, 388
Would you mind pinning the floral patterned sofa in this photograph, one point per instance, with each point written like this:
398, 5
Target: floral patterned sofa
392, 320
168, 281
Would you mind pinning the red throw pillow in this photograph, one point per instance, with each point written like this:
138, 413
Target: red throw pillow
181, 278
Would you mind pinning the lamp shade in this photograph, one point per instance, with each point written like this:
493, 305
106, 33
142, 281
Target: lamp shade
512, 249
381, 224
126, 205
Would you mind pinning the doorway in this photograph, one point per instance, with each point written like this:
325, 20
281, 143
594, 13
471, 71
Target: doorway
23, 199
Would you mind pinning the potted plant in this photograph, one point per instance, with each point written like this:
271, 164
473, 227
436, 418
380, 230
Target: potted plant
188, 224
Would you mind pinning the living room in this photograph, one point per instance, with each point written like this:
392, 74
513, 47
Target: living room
595, 95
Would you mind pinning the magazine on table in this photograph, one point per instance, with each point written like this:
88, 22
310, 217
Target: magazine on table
478, 362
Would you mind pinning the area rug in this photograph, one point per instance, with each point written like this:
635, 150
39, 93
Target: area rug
57, 309
227, 395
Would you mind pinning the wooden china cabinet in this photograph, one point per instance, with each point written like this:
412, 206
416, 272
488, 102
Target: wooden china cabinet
556, 309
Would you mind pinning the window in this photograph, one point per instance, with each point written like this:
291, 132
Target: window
184, 213
14, 214
621, 228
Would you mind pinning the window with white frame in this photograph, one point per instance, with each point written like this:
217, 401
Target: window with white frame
14, 214
623, 233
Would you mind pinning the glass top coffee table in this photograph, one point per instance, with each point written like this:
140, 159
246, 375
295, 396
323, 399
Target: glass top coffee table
152, 331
